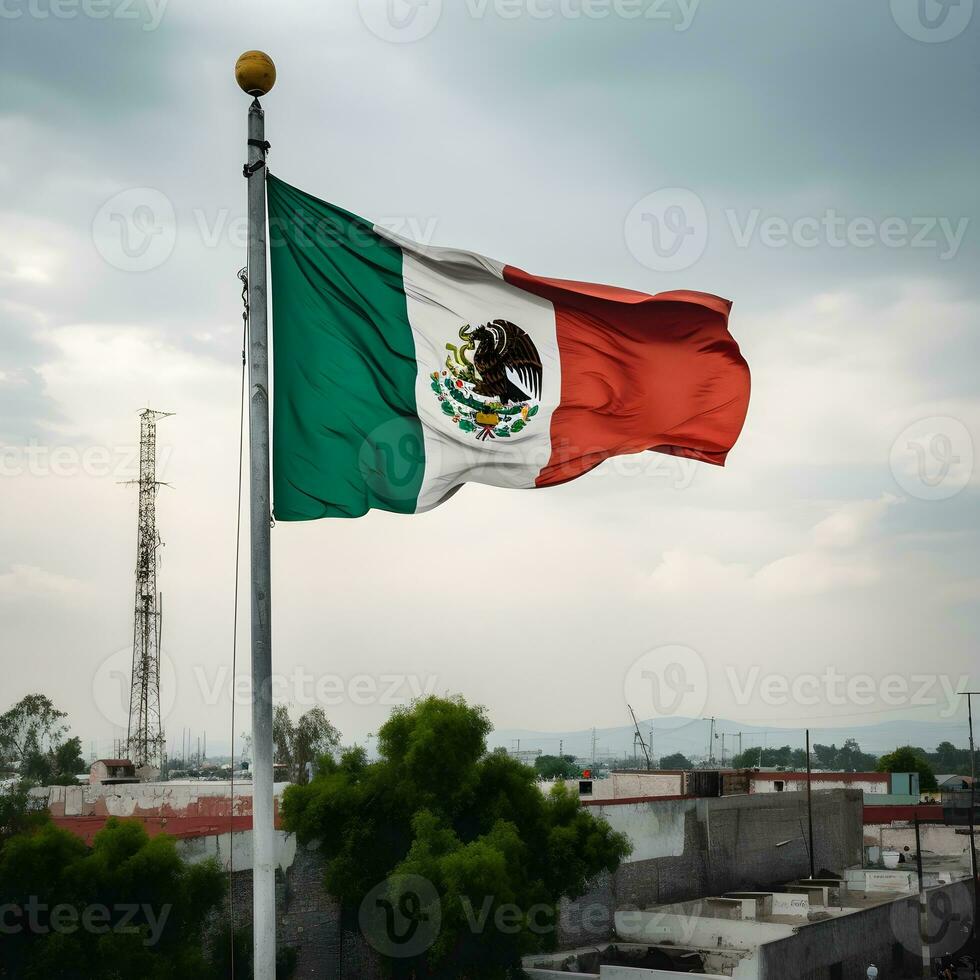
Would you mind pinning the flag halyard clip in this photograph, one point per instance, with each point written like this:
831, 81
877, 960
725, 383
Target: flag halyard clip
264, 146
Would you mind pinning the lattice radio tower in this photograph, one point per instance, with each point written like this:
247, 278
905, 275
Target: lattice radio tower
145, 738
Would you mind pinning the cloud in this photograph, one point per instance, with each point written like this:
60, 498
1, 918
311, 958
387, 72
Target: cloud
528, 140
841, 554
29, 582
852, 523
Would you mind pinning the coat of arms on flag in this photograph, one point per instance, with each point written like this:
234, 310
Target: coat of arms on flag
491, 382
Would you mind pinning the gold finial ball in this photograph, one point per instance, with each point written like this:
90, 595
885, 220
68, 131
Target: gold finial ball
255, 73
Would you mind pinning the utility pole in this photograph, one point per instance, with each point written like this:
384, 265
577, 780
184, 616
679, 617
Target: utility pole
923, 907
144, 735
711, 740
809, 801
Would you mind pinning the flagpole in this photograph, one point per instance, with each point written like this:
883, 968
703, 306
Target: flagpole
256, 75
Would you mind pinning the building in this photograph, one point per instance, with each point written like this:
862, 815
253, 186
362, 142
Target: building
870, 783
714, 882
112, 772
829, 929
878, 788
952, 782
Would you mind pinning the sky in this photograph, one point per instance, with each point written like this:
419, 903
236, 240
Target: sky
815, 163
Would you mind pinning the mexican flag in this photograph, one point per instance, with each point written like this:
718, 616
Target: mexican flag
402, 371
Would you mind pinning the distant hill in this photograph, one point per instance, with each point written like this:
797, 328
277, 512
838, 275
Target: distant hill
690, 736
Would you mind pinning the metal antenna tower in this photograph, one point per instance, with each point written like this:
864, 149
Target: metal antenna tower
145, 738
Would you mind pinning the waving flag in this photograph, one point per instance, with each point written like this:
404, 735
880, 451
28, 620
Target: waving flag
403, 371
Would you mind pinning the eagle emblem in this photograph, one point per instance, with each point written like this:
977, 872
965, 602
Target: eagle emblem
491, 382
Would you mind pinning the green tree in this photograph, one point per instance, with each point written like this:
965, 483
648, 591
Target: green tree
676, 760
946, 757
304, 742
17, 814
496, 853
127, 906
850, 758
68, 761
557, 767
32, 726
908, 758
824, 756
949, 759
783, 757
33, 740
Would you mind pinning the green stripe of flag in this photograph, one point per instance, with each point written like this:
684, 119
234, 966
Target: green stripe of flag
346, 436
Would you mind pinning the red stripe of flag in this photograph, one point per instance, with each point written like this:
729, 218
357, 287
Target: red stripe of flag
640, 372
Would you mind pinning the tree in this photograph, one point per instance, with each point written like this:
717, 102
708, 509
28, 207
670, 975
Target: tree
17, 813
946, 757
908, 758
557, 767
783, 757
676, 760
850, 758
68, 761
126, 907
33, 725
949, 759
300, 745
463, 842
33, 740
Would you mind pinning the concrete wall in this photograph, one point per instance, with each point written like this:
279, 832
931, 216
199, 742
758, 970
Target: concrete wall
182, 809
935, 838
308, 920
686, 849
793, 782
629, 785
886, 935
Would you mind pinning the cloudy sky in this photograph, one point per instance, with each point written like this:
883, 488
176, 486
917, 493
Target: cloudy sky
823, 158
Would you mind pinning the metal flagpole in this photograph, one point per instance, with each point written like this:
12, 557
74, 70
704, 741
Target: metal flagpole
809, 801
256, 75
975, 950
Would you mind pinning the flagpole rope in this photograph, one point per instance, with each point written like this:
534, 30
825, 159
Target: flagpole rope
243, 276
